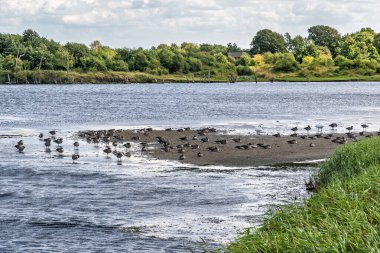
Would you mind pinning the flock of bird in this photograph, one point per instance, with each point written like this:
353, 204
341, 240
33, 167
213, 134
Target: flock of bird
58, 140
115, 142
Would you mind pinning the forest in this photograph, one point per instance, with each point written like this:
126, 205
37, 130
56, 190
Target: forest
324, 54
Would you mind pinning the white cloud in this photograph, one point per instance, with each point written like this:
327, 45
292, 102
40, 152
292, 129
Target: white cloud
150, 22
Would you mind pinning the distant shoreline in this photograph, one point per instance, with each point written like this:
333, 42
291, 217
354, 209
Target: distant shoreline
112, 77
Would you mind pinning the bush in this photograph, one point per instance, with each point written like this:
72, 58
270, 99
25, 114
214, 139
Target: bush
285, 62
243, 70
343, 63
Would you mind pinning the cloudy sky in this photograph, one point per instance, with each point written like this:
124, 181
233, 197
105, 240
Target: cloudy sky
146, 23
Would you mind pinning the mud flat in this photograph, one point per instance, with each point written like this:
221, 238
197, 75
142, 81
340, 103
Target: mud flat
207, 146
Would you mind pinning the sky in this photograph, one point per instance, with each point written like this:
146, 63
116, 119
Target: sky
147, 23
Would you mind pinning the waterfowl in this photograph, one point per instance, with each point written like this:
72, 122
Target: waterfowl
333, 126
214, 149
294, 129
181, 150
59, 150
195, 146
182, 157
58, 141
312, 145
76, 145
41, 135
205, 139
350, 128
20, 147
75, 157
364, 126
222, 141
127, 145
292, 141
119, 155
107, 150
200, 154
277, 135
308, 128
53, 132
319, 128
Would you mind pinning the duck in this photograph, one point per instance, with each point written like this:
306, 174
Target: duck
107, 150
20, 147
75, 157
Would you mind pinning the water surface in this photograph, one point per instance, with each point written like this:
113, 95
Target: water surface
48, 204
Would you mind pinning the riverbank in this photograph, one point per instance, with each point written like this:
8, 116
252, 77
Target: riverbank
62, 77
207, 146
109, 77
341, 217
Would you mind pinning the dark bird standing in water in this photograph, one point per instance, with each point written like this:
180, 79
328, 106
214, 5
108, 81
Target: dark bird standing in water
107, 150
75, 157
119, 155
308, 128
58, 141
350, 128
333, 126
20, 146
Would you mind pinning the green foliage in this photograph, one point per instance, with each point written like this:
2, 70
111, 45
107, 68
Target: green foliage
343, 216
245, 60
325, 36
344, 63
273, 55
360, 45
285, 62
244, 70
267, 41
349, 160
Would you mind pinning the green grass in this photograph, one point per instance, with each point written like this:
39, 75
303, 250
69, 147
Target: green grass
61, 77
348, 78
343, 216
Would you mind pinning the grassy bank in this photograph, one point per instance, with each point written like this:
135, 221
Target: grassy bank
343, 216
62, 77
354, 78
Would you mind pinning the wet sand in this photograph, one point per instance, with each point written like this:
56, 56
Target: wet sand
228, 150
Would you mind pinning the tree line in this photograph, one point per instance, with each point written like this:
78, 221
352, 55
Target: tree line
323, 48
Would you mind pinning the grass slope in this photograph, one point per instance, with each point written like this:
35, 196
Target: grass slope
343, 216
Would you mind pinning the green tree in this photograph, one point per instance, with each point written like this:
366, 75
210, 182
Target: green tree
78, 51
233, 47
267, 41
376, 42
166, 57
326, 36
285, 62
360, 45
139, 60
299, 47
245, 60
